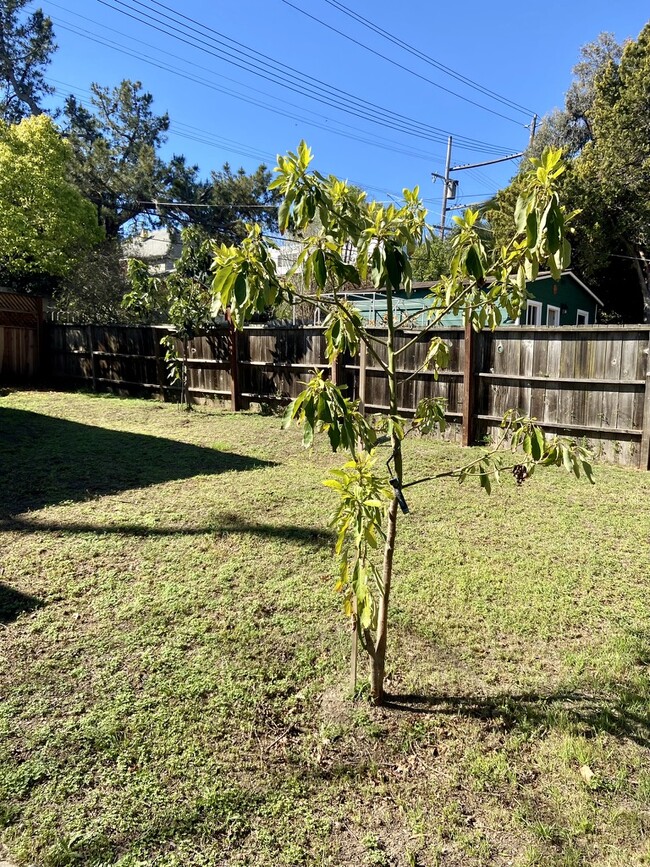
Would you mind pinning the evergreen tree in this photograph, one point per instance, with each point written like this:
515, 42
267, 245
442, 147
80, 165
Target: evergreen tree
26, 47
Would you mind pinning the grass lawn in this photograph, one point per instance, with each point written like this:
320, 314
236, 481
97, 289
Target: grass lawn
173, 660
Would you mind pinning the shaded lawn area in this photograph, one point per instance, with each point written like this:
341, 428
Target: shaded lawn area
173, 662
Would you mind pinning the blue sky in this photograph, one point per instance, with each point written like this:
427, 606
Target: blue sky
371, 110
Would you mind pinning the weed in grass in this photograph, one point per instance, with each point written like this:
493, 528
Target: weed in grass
489, 771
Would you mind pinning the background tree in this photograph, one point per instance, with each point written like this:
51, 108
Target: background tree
119, 169
26, 47
605, 130
612, 175
93, 291
115, 143
571, 128
226, 201
431, 259
45, 223
480, 284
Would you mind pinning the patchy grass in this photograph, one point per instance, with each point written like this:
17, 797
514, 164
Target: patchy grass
173, 667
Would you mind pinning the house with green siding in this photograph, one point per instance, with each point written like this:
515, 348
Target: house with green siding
567, 301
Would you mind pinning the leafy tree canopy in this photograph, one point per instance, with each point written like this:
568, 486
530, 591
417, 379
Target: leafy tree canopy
118, 167
45, 223
612, 175
431, 259
26, 46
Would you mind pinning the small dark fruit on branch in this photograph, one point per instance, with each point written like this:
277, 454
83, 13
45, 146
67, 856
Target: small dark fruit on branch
520, 473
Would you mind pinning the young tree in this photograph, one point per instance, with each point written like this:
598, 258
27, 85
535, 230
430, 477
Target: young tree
92, 292
478, 284
25, 50
45, 223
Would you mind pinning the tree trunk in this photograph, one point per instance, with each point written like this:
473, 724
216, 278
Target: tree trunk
378, 658
642, 268
185, 392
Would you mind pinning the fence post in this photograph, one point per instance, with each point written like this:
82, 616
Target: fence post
468, 386
235, 398
91, 350
362, 377
160, 365
645, 435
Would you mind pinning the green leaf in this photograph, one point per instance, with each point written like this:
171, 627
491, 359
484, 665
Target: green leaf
308, 435
531, 229
528, 444
485, 482
320, 270
394, 267
473, 263
521, 212
554, 224
537, 449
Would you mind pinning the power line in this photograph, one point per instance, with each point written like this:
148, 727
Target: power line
400, 65
336, 4
212, 140
376, 141
286, 76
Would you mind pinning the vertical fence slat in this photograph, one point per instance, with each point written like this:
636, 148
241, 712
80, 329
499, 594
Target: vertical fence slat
468, 386
644, 460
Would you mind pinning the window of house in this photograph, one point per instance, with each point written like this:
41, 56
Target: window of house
552, 315
582, 318
534, 313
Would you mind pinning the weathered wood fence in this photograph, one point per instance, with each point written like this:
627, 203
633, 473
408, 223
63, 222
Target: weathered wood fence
590, 382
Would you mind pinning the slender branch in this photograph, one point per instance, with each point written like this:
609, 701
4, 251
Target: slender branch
342, 306
363, 335
451, 473
459, 470
423, 366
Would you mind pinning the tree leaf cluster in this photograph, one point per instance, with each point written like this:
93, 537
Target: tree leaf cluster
45, 222
321, 406
358, 520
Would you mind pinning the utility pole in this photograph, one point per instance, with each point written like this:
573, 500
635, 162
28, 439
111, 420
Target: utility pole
445, 192
451, 184
533, 128
449, 188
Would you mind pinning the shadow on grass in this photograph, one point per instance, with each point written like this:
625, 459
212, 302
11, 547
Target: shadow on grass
621, 713
45, 460
13, 603
233, 525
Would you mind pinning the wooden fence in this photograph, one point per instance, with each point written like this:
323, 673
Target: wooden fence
590, 382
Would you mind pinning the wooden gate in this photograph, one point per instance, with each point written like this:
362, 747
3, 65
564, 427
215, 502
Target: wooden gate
21, 317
